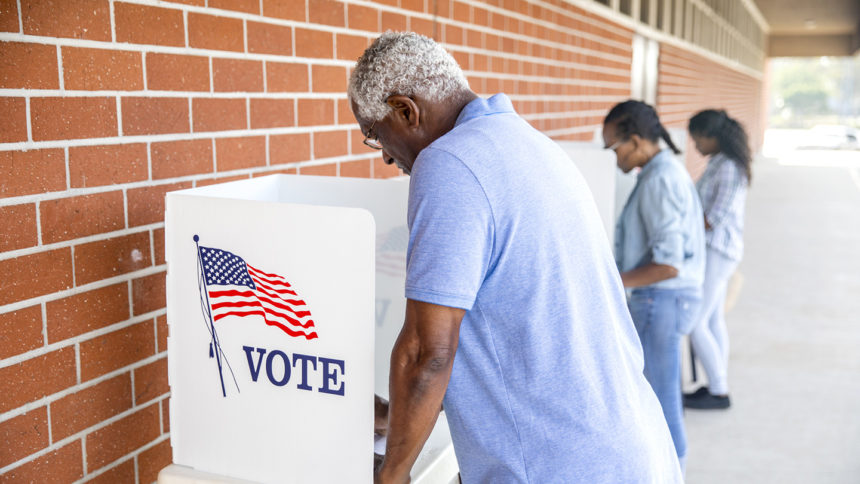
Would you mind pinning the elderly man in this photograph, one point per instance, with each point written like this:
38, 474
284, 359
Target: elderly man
515, 313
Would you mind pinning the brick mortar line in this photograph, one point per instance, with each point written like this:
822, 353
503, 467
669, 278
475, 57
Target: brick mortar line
74, 192
81, 435
78, 387
185, 27
29, 119
562, 98
244, 35
686, 68
605, 22
173, 94
67, 168
44, 313
130, 293
337, 63
50, 432
72, 258
573, 130
541, 60
665, 38
13, 254
20, 17
391, 9
380, 8
212, 75
533, 40
609, 25
77, 345
125, 208
60, 68
602, 11
131, 376
134, 455
562, 81
163, 49
112, 21
157, 138
119, 115
38, 223
563, 115
161, 416
84, 454
151, 254
148, 271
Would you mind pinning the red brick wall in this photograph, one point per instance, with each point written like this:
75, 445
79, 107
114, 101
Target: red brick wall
689, 82
108, 104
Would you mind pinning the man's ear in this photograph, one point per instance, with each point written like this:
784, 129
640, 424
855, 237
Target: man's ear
636, 140
405, 109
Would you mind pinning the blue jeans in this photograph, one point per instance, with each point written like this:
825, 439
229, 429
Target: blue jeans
661, 317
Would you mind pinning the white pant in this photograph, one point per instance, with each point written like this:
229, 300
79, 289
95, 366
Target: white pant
709, 337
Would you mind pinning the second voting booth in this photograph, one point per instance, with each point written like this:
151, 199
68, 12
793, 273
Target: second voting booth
285, 296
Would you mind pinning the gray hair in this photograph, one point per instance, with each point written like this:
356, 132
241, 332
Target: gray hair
403, 63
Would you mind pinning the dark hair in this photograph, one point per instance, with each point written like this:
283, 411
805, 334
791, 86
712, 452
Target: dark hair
635, 117
730, 135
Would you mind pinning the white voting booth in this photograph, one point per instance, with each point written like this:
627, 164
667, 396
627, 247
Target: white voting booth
285, 296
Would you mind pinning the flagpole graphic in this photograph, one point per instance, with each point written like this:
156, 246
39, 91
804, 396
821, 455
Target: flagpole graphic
230, 287
214, 346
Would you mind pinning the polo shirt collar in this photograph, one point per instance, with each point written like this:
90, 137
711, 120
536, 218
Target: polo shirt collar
497, 104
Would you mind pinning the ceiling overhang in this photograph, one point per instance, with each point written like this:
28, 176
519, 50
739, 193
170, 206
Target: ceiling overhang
806, 28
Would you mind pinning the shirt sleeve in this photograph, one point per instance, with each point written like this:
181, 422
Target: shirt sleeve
450, 232
726, 183
661, 209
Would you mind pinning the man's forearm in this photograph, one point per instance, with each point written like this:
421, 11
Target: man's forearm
417, 387
421, 364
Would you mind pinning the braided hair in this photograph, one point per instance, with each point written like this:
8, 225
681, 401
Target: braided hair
730, 135
635, 117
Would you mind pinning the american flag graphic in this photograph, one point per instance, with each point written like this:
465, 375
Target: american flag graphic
236, 288
391, 251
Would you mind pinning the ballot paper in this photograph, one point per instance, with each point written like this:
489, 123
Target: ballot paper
379, 444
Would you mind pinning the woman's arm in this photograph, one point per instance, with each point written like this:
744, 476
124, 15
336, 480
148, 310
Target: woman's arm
648, 274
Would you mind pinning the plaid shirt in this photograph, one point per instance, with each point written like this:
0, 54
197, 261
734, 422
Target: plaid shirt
723, 191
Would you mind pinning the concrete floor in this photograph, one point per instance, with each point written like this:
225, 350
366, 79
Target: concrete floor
794, 371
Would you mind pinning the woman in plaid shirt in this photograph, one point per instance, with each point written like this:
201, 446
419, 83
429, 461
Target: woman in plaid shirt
723, 190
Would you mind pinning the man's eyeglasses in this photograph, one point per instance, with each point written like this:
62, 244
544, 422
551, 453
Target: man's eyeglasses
371, 140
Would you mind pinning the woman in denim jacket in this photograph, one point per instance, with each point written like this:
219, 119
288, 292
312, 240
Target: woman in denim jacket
659, 249
723, 192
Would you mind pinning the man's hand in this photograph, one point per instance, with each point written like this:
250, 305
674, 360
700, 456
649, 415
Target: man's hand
421, 364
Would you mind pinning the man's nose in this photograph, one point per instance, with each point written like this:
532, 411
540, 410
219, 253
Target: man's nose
387, 158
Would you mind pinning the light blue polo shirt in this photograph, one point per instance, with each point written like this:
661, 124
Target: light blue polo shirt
547, 384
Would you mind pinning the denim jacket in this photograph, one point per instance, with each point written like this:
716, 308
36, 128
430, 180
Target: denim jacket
662, 222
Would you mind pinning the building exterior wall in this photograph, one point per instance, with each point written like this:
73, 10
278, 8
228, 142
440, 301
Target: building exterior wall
110, 104
690, 82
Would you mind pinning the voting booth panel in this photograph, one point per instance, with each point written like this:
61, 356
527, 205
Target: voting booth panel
277, 289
